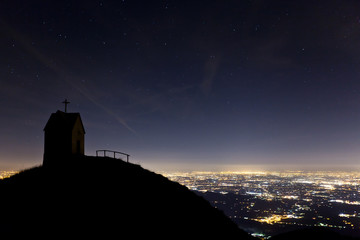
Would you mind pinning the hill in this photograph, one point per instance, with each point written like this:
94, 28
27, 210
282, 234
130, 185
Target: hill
103, 197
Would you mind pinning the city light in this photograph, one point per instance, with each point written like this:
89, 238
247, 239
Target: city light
7, 174
293, 198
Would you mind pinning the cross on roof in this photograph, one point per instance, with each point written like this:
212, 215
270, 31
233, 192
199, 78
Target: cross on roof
66, 102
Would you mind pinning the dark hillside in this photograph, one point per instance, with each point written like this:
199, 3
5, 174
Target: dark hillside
90, 196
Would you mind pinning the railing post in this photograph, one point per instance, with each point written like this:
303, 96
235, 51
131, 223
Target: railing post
98, 153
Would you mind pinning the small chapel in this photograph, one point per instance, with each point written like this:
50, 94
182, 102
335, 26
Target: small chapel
64, 136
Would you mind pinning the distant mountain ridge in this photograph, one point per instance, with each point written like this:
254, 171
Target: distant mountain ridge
103, 197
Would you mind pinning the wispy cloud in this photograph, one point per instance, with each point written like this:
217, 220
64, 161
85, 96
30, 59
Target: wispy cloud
107, 110
59, 69
210, 71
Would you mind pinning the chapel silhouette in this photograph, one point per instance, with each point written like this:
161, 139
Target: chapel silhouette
64, 136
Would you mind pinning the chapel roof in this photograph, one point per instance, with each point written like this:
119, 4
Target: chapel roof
63, 121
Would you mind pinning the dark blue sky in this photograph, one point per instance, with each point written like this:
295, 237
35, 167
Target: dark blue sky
194, 84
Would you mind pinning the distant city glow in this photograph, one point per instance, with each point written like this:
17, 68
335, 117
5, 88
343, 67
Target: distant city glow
7, 174
294, 198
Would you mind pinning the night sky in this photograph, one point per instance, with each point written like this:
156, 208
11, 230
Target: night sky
191, 84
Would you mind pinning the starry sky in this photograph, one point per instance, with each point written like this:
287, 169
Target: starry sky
205, 84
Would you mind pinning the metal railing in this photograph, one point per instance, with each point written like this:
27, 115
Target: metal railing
112, 153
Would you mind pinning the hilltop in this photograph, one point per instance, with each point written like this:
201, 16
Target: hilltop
100, 196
